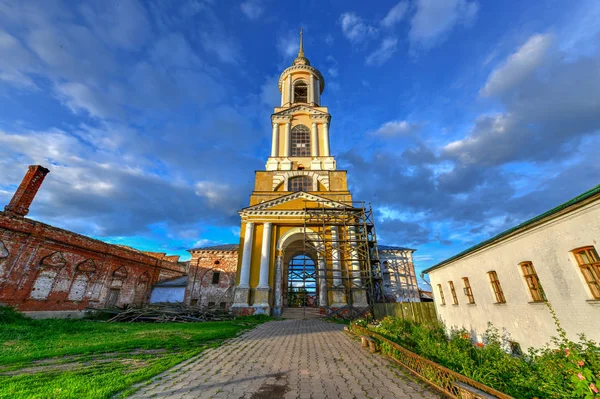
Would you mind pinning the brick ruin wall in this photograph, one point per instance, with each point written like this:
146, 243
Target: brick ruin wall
43, 268
200, 289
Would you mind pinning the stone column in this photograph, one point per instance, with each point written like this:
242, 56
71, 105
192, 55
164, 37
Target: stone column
314, 140
275, 138
326, 139
290, 89
242, 291
265, 256
359, 294
261, 293
318, 92
311, 90
277, 301
339, 297
288, 139
322, 273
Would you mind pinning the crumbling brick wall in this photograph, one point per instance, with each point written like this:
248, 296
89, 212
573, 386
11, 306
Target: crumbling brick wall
44, 268
206, 287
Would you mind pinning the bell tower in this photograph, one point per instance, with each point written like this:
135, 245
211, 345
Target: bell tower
300, 139
290, 253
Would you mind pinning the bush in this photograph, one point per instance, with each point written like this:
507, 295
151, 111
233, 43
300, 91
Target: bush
564, 369
9, 315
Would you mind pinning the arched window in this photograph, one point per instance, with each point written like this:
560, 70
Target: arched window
301, 183
300, 92
300, 141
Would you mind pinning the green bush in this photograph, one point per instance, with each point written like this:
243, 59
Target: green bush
561, 369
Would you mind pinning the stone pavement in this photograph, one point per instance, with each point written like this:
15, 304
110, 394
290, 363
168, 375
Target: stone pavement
286, 359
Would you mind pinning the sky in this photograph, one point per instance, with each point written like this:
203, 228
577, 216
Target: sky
455, 119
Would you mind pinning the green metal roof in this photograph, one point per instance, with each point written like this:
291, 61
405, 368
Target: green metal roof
579, 198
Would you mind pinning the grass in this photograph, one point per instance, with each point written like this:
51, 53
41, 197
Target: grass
94, 359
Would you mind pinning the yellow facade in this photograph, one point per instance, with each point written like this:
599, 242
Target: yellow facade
300, 173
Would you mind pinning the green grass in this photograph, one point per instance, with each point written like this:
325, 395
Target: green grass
94, 359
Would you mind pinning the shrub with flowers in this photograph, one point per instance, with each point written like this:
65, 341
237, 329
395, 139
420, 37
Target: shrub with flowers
564, 369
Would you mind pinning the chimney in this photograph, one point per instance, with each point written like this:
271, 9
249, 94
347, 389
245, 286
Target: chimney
19, 204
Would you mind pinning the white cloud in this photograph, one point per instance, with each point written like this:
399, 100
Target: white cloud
395, 14
252, 9
434, 19
15, 61
78, 97
354, 28
223, 46
288, 45
205, 242
333, 72
385, 51
518, 65
397, 128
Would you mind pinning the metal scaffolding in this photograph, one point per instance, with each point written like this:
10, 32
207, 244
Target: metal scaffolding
345, 242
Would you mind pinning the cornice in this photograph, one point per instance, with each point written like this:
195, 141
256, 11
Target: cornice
306, 68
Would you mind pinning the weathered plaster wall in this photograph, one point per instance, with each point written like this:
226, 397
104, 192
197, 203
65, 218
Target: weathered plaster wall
399, 278
200, 289
549, 247
43, 268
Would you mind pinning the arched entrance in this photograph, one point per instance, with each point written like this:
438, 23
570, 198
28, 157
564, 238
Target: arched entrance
302, 282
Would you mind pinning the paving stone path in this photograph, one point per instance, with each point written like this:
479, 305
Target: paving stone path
287, 359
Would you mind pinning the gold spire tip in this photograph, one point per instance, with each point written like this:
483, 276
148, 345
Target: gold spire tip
301, 50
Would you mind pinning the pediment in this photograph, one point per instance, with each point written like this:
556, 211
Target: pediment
295, 201
301, 108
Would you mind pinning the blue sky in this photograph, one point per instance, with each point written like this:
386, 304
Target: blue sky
456, 119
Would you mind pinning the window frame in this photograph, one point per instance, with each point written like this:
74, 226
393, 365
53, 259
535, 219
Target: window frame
533, 282
217, 274
306, 186
496, 286
300, 142
592, 267
453, 291
468, 290
442, 295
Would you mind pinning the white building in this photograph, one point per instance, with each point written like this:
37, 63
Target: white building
500, 280
399, 278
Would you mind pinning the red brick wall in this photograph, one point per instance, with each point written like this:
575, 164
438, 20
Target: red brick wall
200, 288
44, 268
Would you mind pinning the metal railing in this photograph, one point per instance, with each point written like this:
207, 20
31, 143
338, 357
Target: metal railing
443, 379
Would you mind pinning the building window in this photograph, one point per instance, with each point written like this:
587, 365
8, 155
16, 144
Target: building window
300, 141
453, 291
589, 264
216, 277
300, 92
468, 290
533, 282
222, 305
442, 294
301, 183
496, 287
211, 304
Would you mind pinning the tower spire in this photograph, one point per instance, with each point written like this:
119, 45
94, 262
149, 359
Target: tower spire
301, 50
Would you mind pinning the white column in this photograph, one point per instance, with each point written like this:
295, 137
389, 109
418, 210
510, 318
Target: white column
355, 263
265, 256
311, 89
275, 139
314, 141
318, 92
288, 139
246, 256
326, 139
290, 88
335, 256
282, 93
322, 276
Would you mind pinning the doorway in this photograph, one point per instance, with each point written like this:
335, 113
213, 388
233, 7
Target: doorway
302, 282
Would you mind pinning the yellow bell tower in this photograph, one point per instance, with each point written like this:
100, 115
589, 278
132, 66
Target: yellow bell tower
292, 251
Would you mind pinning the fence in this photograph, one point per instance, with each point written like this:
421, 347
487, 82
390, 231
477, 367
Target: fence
445, 380
420, 312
